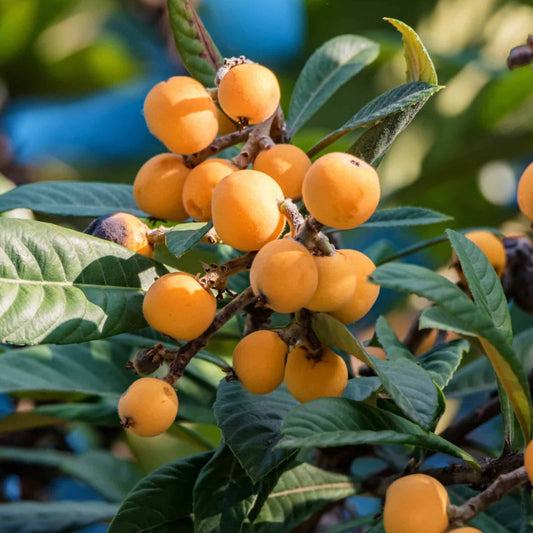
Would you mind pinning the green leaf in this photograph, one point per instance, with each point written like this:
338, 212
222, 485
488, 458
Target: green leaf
223, 495
340, 422
419, 64
20, 421
330, 67
483, 282
198, 52
298, 494
56, 517
332, 332
102, 412
394, 348
376, 110
361, 388
60, 286
162, 501
251, 426
442, 361
72, 198
184, 236
375, 142
436, 317
404, 216
430, 285
111, 477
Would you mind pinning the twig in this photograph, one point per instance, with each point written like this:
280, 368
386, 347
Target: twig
310, 234
295, 219
301, 329
216, 276
460, 515
189, 350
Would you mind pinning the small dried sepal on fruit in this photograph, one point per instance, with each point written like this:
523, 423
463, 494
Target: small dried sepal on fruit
148, 407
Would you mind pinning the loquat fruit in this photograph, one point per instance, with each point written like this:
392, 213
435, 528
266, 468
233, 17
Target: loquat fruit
528, 460
525, 192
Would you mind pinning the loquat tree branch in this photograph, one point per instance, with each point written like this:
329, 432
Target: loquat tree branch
190, 349
310, 234
216, 276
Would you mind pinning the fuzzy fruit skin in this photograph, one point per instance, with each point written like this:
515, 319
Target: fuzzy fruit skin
341, 190
177, 305
337, 281
491, 246
308, 379
287, 165
181, 114
148, 407
245, 210
259, 361
528, 460
200, 184
124, 229
365, 294
416, 504
466, 530
524, 192
249, 93
285, 273
158, 187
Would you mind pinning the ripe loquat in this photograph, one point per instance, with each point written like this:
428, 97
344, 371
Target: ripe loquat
528, 460
148, 407
525, 192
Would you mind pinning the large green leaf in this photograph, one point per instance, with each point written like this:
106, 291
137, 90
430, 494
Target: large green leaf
111, 477
338, 422
223, 495
404, 216
394, 348
53, 517
251, 425
419, 64
374, 143
361, 388
300, 492
483, 282
61, 286
184, 236
198, 52
428, 284
330, 67
162, 501
436, 317
442, 361
72, 198
381, 107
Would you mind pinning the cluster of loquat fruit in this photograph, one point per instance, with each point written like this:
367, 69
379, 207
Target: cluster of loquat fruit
287, 274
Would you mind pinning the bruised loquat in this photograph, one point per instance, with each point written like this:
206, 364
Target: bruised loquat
245, 209
365, 294
309, 378
524, 192
285, 274
287, 165
337, 281
178, 306
249, 93
181, 114
259, 361
148, 407
416, 503
200, 184
341, 190
158, 187
124, 229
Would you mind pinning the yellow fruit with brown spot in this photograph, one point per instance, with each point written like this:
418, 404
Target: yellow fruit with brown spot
285, 275
148, 407
181, 114
158, 187
287, 165
491, 246
309, 378
249, 93
245, 210
124, 229
416, 504
524, 192
337, 281
259, 361
341, 190
178, 306
200, 184
366, 293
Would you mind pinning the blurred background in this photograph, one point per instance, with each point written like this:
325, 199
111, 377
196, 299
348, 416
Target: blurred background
74, 74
